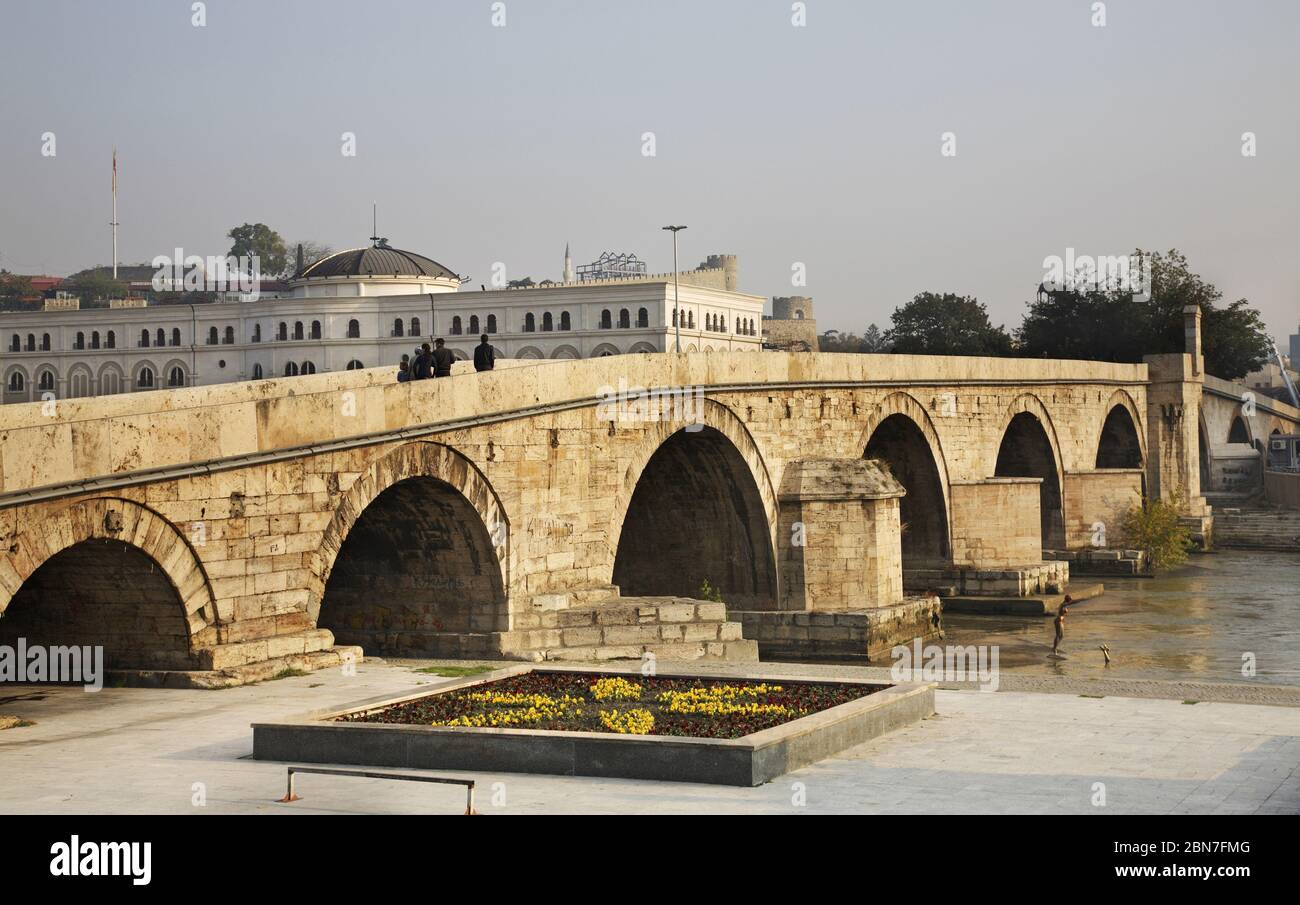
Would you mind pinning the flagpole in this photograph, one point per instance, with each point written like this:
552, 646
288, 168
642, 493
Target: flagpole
115, 213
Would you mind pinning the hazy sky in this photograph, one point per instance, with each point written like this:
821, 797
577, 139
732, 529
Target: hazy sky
782, 144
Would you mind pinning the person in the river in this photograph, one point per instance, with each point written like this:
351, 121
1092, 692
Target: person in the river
1059, 622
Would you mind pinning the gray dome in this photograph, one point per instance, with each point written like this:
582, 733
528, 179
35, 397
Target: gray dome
376, 261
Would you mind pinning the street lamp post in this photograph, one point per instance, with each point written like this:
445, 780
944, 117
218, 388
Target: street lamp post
677, 308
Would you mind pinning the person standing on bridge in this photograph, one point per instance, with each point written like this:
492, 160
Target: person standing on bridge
442, 359
422, 366
485, 357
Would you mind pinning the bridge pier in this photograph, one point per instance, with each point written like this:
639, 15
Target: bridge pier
841, 566
1174, 396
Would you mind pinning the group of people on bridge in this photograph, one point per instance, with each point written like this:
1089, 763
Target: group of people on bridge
437, 361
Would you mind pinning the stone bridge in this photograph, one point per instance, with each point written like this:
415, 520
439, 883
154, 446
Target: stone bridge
254, 523
1235, 426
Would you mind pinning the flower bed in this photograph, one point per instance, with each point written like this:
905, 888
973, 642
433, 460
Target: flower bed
638, 705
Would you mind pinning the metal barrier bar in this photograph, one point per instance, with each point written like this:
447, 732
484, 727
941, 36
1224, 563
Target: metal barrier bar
289, 795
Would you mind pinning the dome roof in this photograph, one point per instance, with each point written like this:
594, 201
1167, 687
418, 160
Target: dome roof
376, 261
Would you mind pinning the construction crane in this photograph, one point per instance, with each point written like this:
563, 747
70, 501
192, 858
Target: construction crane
1286, 378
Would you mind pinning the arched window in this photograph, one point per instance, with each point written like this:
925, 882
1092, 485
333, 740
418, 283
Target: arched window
176, 377
530, 322
110, 340
492, 324
15, 344
355, 365
110, 382
548, 322
674, 317
691, 320
80, 341
257, 372
144, 338
283, 333
257, 333
308, 368
643, 318
45, 382
624, 319
290, 369
565, 322
354, 329
722, 323
144, 378
315, 329
415, 326
455, 326
297, 330
16, 382
31, 342
398, 329
473, 324
94, 339
605, 321
79, 384
45, 341
176, 336
160, 338
230, 336
212, 336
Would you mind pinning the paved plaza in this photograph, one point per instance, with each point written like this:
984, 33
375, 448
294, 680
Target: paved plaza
128, 750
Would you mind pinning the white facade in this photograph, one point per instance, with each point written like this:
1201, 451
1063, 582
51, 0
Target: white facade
336, 323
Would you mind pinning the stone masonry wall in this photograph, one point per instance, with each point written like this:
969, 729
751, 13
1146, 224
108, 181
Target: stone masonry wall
996, 524
251, 548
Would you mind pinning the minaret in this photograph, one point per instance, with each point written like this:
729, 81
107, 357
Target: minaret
568, 264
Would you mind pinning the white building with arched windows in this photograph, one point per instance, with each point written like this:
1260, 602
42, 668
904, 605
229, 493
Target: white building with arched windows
365, 308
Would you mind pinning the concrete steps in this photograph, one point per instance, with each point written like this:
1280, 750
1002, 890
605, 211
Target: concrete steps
1257, 528
582, 627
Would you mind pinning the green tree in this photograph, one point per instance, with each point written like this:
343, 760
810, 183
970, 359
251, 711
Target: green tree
14, 290
312, 252
1153, 526
946, 324
259, 239
94, 285
1095, 326
874, 341
1234, 339
1116, 325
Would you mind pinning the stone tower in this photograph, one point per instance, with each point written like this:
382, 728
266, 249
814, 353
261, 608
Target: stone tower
568, 264
792, 326
730, 267
792, 308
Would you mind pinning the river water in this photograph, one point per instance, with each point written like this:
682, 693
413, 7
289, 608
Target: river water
1194, 623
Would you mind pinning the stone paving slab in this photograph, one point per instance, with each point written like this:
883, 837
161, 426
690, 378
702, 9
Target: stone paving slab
140, 750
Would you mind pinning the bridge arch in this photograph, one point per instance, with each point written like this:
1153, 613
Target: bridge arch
900, 432
1030, 447
1121, 442
417, 547
1239, 429
108, 572
697, 505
